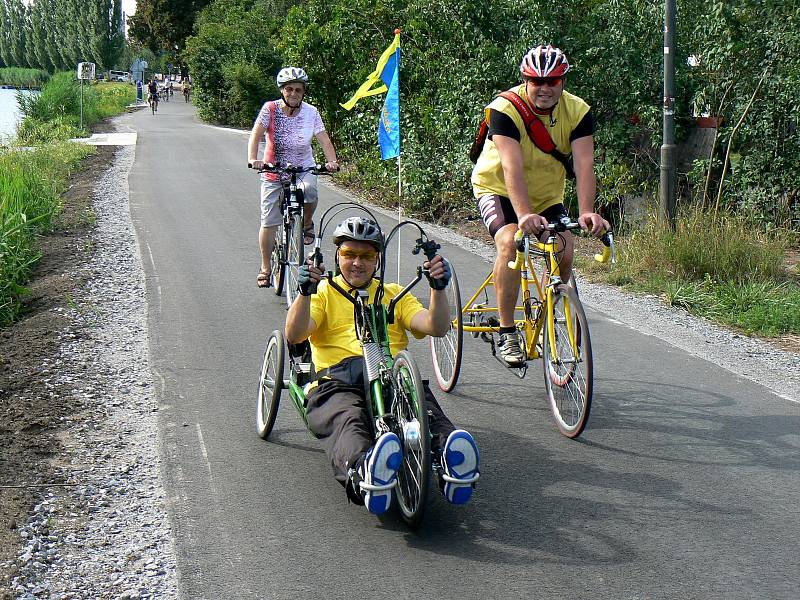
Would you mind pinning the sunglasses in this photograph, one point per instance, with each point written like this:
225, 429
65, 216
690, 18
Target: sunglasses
367, 255
540, 81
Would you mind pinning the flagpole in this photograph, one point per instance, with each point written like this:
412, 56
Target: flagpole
399, 172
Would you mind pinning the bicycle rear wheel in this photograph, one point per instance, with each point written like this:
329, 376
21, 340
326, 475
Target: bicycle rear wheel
568, 366
270, 384
446, 350
412, 420
294, 257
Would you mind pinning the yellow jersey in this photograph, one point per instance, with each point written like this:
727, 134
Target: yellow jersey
544, 175
334, 339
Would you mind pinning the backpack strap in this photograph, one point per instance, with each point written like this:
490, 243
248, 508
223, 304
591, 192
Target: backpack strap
538, 131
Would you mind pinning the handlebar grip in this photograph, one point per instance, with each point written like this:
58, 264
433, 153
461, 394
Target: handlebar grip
608, 248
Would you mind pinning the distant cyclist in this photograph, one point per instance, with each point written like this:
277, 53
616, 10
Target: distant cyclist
287, 126
517, 185
336, 408
152, 93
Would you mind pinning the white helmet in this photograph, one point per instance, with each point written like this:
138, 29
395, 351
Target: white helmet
291, 75
544, 61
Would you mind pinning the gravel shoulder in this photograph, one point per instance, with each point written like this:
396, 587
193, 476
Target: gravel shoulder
98, 526
82, 507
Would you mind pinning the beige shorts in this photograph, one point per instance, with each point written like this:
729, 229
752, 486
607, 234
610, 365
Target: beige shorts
272, 193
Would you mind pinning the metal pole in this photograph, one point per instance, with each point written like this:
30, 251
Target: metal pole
667, 192
81, 103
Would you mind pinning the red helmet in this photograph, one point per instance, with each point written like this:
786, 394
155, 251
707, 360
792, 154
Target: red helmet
544, 61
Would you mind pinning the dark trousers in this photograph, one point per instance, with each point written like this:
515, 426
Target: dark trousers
337, 415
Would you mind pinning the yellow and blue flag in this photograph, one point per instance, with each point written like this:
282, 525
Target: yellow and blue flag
385, 78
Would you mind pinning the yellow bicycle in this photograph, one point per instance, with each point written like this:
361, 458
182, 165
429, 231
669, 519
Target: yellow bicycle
550, 319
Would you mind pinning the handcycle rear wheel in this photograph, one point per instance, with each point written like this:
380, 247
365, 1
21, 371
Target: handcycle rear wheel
294, 257
412, 419
270, 384
568, 377
446, 350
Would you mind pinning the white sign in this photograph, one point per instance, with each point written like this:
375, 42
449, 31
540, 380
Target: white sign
85, 70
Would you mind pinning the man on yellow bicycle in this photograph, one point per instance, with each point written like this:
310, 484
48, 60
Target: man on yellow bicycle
519, 186
336, 407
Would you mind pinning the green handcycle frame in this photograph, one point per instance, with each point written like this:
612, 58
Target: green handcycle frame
550, 319
393, 386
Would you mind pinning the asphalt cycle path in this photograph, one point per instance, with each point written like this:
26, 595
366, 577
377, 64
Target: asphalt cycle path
684, 485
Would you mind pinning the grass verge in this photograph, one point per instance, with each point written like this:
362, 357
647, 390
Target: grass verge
722, 269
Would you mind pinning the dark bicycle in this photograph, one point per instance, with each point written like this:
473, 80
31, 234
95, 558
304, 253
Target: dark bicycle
287, 251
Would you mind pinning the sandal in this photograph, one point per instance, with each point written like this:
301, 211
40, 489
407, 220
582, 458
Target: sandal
264, 279
308, 234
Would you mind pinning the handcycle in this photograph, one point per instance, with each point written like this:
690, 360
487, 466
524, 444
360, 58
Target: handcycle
394, 389
551, 321
287, 251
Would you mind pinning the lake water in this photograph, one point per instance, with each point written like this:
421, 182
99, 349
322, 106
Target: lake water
9, 113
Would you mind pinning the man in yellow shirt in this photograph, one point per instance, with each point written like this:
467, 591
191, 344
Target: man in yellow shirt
518, 186
336, 409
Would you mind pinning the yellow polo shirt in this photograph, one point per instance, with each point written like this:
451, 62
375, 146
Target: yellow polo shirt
544, 174
335, 336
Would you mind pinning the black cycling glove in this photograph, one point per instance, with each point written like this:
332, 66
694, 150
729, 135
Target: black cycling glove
441, 282
305, 285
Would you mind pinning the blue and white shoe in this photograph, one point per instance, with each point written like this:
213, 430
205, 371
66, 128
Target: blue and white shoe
460, 460
379, 476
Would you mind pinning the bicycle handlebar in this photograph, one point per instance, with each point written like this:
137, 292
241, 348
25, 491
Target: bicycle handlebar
318, 169
607, 239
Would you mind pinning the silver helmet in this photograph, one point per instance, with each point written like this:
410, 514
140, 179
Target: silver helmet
359, 229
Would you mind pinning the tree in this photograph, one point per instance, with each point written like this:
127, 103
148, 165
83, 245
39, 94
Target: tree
164, 24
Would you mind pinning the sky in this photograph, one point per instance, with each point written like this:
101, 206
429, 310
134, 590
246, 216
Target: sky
129, 7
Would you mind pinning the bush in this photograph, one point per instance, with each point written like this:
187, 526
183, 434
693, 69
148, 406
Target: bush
23, 78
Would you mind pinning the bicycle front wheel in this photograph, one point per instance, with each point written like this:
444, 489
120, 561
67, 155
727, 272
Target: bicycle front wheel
412, 429
294, 257
270, 384
278, 265
446, 350
567, 358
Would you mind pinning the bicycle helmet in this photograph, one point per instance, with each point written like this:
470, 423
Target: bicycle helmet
359, 229
291, 75
544, 61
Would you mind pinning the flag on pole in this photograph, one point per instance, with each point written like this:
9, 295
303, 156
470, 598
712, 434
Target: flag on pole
385, 78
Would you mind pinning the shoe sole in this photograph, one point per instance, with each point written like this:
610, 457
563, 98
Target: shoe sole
388, 456
460, 449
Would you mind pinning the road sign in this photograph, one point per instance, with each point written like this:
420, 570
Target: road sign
86, 70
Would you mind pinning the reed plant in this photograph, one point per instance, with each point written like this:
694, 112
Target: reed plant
23, 78
31, 183
721, 267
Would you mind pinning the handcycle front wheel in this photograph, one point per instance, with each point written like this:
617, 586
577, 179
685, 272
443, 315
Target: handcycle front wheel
412, 419
294, 257
446, 350
270, 384
568, 365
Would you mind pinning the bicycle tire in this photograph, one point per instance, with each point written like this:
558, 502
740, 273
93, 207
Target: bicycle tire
270, 384
295, 254
278, 265
412, 428
446, 350
568, 380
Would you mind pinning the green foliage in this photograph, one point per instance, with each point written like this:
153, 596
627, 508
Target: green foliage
30, 187
23, 78
55, 113
232, 75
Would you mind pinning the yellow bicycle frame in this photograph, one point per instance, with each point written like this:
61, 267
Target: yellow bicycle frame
532, 318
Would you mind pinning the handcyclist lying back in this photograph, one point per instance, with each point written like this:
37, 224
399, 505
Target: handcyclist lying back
336, 407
